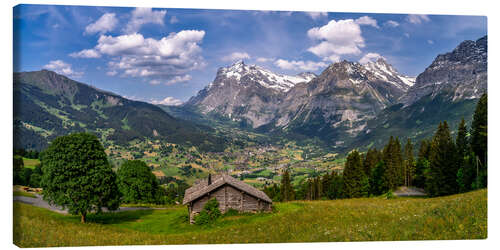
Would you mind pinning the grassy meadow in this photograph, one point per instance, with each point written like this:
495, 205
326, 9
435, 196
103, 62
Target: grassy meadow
462, 216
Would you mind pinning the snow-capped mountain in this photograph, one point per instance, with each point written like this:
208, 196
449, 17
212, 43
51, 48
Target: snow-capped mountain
348, 99
264, 77
385, 71
246, 92
339, 101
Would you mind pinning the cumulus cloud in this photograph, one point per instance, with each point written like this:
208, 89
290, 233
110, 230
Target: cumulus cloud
336, 38
62, 68
317, 15
166, 58
417, 19
141, 16
391, 23
105, 23
299, 65
370, 57
86, 53
235, 56
171, 101
366, 20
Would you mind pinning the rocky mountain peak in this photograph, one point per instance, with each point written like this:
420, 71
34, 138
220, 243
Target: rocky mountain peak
461, 74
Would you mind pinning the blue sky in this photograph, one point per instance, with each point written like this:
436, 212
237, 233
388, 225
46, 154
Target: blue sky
168, 55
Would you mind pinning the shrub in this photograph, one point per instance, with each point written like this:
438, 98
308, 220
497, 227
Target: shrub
209, 214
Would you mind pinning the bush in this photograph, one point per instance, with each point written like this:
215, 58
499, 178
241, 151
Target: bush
209, 214
389, 195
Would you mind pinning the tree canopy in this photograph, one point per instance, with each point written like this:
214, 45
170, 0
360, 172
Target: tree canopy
137, 183
77, 175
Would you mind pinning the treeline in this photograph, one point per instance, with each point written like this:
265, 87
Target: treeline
443, 166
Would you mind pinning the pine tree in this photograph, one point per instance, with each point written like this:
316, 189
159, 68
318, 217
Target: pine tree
422, 164
376, 179
443, 170
409, 164
286, 189
372, 157
398, 156
479, 129
356, 183
393, 160
479, 139
465, 159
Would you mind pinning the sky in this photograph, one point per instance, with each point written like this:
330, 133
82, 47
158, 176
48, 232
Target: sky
168, 55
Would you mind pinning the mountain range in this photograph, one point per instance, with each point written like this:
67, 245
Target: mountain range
348, 105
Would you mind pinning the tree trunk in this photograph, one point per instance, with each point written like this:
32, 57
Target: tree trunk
83, 218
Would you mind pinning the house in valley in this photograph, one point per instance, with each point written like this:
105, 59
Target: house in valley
229, 192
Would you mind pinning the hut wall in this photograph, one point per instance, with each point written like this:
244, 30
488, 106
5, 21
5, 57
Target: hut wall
229, 197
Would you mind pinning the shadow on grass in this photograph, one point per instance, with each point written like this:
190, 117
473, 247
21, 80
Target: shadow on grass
113, 217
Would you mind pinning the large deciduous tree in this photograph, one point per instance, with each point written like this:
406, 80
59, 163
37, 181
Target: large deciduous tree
77, 175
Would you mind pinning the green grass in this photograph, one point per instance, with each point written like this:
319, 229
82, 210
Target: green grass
30, 163
22, 193
462, 216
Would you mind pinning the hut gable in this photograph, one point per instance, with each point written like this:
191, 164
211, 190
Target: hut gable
201, 188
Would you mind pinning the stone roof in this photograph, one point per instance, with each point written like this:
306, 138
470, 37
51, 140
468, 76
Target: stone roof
201, 188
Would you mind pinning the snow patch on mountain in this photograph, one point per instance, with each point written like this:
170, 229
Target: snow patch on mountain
265, 77
383, 70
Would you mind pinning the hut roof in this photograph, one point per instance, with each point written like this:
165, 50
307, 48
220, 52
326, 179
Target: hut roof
201, 188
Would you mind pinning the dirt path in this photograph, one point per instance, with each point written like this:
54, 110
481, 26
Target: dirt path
39, 202
409, 191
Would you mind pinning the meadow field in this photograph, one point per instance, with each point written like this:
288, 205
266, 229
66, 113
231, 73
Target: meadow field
462, 216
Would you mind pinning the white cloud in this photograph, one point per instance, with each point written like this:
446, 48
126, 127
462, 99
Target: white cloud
178, 79
136, 56
173, 20
112, 73
370, 57
317, 15
62, 68
407, 35
391, 23
366, 20
336, 38
105, 23
430, 42
417, 19
141, 16
264, 59
86, 53
171, 101
299, 65
235, 56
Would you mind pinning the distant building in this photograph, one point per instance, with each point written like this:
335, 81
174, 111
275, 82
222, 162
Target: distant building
229, 192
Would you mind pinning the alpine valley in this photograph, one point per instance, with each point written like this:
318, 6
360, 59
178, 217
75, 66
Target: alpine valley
251, 121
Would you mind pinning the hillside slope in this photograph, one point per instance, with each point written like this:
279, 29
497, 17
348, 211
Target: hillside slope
367, 219
47, 105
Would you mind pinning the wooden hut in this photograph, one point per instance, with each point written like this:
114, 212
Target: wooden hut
229, 192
